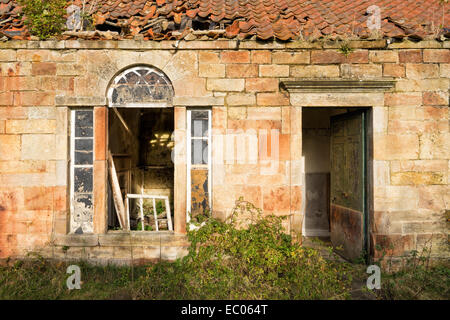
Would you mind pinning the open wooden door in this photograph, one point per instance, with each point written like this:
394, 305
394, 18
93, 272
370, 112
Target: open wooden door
348, 210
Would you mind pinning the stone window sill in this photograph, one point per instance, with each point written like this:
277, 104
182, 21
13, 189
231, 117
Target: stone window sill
123, 239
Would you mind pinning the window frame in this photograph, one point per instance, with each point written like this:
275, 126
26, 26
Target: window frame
73, 166
134, 69
189, 164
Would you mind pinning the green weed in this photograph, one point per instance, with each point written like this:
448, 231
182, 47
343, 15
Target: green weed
44, 18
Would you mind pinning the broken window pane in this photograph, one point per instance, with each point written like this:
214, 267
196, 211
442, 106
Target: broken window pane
199, 175
84, 205
82, 160
199, 192
140, 85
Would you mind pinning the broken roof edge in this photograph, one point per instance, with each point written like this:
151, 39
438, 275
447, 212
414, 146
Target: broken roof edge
219, 35
233, 19
128, 44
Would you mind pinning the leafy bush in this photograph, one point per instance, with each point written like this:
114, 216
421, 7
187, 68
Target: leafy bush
260, 262
44, 18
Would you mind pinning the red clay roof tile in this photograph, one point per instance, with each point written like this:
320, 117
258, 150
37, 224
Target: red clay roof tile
265, 19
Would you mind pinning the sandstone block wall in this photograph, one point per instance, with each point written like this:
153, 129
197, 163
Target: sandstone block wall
41, 81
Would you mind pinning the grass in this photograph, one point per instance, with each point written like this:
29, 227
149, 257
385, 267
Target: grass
38, 278
417, 278
43, 279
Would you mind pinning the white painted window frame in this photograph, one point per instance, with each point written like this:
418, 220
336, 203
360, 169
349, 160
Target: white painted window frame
72, 164
141, 198
189, 158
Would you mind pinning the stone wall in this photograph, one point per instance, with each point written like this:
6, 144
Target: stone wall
40, 81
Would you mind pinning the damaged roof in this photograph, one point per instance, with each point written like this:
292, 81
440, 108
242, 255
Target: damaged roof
261, 19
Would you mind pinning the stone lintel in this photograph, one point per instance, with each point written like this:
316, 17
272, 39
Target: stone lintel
79, 101
340, 85
198, 101
337, 99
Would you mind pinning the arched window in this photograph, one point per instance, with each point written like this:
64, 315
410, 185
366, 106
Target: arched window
140, 86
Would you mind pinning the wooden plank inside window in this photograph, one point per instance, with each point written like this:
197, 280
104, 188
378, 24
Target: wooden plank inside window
117, 194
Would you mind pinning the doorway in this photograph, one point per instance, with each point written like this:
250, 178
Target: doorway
335, 152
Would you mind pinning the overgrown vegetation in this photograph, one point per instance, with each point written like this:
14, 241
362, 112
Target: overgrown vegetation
247, 257
148, 211
224, 262
44, 18
260, 262
417, 278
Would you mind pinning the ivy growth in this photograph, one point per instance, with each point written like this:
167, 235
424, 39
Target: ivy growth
44, 18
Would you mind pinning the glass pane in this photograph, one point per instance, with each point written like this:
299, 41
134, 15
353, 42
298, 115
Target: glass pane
83, 179
199, 193
84, 158
83, 132
84, 145
199, 152
84, 118
205, 152
84, 208
202, 115
199, 128
84, 123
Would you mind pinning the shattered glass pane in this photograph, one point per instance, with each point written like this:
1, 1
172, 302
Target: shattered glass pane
84, 209
83, 155
141, 86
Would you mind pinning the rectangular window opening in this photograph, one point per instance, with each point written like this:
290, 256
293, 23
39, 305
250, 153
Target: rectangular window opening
199, 164
140, 141
82, 171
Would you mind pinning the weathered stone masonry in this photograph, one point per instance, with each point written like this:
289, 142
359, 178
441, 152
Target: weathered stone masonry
41, 81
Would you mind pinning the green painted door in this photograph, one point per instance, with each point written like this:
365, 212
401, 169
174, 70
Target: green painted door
348, 184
